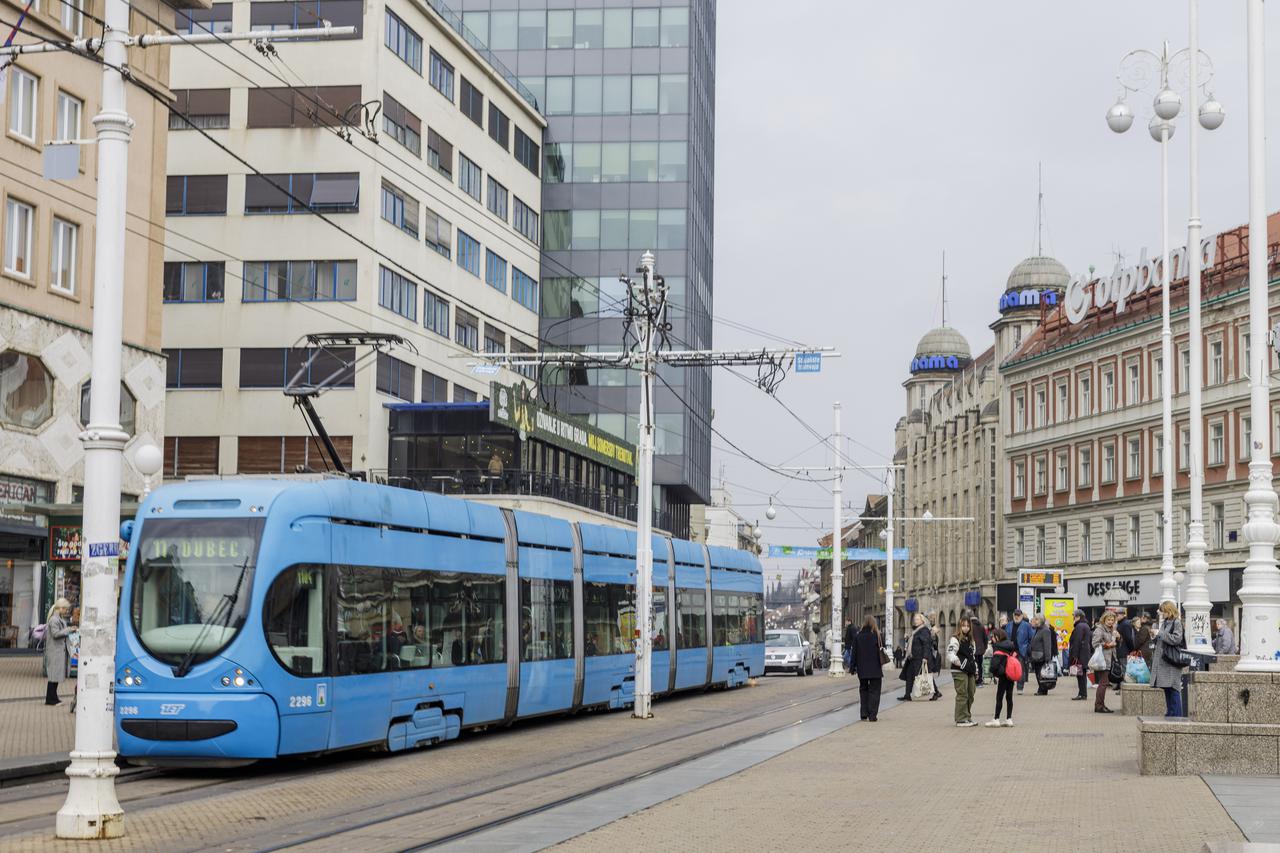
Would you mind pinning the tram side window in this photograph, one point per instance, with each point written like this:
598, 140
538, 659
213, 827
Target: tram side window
363, 621
609, 617
660, 618
294, 619
736, 618
691, 610
546, 619
463, 618
753, 620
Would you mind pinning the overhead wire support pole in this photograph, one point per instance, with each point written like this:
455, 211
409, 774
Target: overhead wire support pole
92, 809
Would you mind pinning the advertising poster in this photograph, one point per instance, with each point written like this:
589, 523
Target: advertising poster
1059, 612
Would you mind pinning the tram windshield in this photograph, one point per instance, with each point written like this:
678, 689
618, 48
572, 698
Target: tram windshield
191, 584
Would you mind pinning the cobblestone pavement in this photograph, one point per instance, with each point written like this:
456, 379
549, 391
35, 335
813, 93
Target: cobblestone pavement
459, 785
915, 780
31, 727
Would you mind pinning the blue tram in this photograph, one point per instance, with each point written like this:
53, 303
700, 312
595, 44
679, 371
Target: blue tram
264, 618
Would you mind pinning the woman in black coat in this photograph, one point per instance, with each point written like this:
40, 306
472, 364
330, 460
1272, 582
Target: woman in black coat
866, 660
1079, 648
919, 653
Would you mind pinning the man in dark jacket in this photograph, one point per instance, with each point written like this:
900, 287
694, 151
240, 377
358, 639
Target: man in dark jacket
1044, 647
979, 642
847, 639
1128, 636
1078, 652
1020, 634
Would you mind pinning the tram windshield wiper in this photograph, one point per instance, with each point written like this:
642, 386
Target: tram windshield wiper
221, 614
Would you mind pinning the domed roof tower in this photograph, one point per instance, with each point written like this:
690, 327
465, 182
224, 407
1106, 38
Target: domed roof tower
941, 354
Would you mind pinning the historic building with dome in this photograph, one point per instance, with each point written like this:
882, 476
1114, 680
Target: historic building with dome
950, 442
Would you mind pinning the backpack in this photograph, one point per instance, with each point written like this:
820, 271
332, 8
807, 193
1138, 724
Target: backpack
1007, 666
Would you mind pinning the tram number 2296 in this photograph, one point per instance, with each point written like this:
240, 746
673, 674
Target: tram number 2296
300, 701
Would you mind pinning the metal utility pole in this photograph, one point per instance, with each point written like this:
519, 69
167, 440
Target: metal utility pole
92, 809
836, 669
648, 307
888, 564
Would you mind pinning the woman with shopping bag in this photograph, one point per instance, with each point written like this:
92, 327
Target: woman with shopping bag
917, 664
1104, 649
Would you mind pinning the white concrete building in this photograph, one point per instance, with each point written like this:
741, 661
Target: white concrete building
423, 157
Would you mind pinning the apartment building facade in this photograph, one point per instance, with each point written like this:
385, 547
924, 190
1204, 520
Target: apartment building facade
46, 301
386, 182
1083, 471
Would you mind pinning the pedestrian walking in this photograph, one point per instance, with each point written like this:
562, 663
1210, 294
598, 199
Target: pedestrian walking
962, 654
56, 659
867, 660
1224, 642
1020, 633
1105, 638
981, 639
1044, 648
846, 641
1078, 651
1143, 638
1004, 657
935, 658
919, 648
1165, 675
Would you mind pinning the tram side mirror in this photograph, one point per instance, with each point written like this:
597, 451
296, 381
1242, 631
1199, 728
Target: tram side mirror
126, 530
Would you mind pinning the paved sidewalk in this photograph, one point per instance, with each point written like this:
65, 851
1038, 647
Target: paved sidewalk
914, 779
31, 728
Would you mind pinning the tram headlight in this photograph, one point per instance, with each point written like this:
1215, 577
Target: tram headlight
239, 681
226, 681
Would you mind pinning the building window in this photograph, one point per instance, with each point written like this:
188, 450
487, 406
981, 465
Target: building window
468, 253
1085, 389
1217, 443
1133, 386
1108, 389
524, 289
1217, 373
304, 14
495, 271
288, 454
305, 107
527, 152
194, 281
1040, 545
65, 256
499, 126
27, 398
1040, 474
496, 199
329, 192
19, 234
470, 100
1085, 455
213, 20
1062, 543
1019, 479
128, 407
395, 377
1133, 462
463, 395
439, 153
1062, 476
1086, 541
276, 367
1042, 405
299, 281
529, 371
1244, 361
407, 45
1063, 402
72, 18
196, 195
466, 330
397, 294
1019, 548
441, 76
435, 389
1109, 542
193, 368
1157, 454
494, 340
1019, 412
1217, 525
435, 314
23, 104
399, 208
205, 109
1157, 391
525, 220
185, 455
1184, 448
470, 177
401, 125
1184, 369
1108, 463
438, 232
1134, 541
70, 113
1246, 436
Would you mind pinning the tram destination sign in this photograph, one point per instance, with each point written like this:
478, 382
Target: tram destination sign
510, 406
1053, 578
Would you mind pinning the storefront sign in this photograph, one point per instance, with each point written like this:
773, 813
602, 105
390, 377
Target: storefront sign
1059, 612
65, 544
1028, 299
1143, 590
1124, 283
1040, 578
509, 406
20, 490
923, 363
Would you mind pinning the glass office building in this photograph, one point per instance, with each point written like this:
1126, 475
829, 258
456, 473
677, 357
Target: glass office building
628, 164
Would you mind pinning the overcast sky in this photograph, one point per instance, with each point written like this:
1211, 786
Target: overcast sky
857, 140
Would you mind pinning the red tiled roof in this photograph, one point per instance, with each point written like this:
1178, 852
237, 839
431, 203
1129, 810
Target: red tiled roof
1231, 263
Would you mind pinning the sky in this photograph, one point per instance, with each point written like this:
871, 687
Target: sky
856, 141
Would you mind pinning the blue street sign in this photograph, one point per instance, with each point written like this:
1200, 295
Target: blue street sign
810, 552
808, 362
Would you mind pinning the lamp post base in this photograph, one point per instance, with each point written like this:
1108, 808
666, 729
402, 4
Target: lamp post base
91, 810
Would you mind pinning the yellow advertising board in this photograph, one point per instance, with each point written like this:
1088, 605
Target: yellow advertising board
1059, 611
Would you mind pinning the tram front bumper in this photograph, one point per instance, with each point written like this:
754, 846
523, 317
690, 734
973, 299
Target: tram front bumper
202, 727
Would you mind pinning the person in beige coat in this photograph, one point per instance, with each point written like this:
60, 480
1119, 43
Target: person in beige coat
56, 659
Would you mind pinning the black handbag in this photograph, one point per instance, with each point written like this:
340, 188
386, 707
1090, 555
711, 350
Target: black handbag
1176, 656
1117, 670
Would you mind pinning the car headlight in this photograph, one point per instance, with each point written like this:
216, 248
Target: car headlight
793, 656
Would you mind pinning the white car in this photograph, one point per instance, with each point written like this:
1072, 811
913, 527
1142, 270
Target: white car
786, 651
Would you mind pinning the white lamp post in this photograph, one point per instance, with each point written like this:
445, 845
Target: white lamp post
1260, 591
148, 459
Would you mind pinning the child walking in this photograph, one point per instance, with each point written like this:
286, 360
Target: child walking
1007, 671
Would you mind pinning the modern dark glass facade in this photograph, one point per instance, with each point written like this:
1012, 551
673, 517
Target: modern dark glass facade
628, 164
